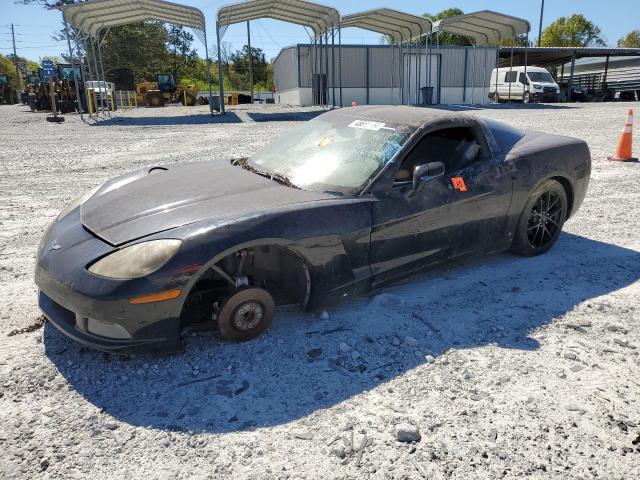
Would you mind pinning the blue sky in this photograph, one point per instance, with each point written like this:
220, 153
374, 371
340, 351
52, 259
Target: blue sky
34, 25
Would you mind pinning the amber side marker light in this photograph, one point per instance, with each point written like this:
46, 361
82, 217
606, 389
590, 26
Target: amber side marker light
157, 297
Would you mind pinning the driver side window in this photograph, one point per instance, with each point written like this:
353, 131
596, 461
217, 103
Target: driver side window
455, 147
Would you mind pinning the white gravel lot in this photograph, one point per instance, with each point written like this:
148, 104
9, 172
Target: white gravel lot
508, 367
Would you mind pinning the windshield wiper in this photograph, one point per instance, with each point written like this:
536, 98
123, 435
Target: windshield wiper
276, 177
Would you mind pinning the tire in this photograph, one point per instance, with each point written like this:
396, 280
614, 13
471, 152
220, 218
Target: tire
541, 220
526, 98
191, 99
238, 314
154, 99
497, 97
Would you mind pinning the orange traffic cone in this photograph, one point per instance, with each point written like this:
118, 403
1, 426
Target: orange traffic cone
624, 148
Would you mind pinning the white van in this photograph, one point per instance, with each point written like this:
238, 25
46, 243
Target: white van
512, 84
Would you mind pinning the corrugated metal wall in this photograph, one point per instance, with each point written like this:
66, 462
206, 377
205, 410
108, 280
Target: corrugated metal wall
285, 69
382, 63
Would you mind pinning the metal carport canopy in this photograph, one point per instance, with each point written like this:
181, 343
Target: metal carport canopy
94, 15
319, 18
559, 55
484, 27
399, 26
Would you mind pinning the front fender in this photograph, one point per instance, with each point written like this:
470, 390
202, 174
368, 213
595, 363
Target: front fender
332, 238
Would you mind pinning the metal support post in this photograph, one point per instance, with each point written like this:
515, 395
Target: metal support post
606, 71
340, 61
95, 64
76, 81
250, 60
526, 59
333, 66
326, 63
570, 86
220, 74
409, 75
511, 69
208, 60
102, 69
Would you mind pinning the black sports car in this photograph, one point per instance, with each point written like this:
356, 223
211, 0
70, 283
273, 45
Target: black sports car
352, 200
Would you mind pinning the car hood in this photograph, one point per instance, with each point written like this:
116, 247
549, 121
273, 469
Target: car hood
162, 198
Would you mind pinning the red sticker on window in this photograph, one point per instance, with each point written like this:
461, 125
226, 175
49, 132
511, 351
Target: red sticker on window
458, 184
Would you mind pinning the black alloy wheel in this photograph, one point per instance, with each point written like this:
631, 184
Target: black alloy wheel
541, 220
545, 219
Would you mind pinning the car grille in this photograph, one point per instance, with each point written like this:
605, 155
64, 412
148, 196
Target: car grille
549, 90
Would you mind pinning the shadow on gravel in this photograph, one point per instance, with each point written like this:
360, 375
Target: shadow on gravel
293, 116
199, 119
300, 366
504, 106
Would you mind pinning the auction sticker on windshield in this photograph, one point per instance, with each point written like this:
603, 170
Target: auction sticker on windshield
368, 125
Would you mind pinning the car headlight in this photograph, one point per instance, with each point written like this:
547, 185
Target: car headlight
77, 202
137, 260
536, 86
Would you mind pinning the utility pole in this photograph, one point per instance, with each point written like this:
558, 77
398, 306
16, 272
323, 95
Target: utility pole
250, 59
540, 27
15, 56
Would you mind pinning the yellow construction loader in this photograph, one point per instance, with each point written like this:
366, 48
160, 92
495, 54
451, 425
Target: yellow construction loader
164, 90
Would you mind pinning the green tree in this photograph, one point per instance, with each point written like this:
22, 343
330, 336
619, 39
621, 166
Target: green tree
8, 67
448, 38
135, 52
239, 68
630, 40
183, 57
575, 31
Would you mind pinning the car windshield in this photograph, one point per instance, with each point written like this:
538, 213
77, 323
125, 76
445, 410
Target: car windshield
540, 77
338, 153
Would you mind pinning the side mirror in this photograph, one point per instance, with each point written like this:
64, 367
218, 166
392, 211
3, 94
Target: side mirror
427, 171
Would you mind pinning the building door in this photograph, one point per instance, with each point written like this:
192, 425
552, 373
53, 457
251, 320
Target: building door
410, 79
319, 87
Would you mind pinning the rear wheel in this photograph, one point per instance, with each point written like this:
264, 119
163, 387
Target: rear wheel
155, 99
541, 220
497, 97
246, 314
189, 98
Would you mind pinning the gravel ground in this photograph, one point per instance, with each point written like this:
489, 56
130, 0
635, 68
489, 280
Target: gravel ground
501, 367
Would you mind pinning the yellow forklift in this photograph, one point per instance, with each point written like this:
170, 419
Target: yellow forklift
8, 94
164, 90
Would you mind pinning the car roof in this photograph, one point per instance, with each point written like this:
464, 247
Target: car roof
398, 114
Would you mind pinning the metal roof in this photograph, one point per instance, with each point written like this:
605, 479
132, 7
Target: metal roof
318, 17
400, 26
484, 27
94, 15
559, 55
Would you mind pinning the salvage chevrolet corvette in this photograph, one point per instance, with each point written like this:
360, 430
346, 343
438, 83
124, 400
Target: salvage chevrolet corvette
350, 201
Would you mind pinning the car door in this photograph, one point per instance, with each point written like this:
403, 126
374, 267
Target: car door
482, 191
460, 213
509, 84
411, 228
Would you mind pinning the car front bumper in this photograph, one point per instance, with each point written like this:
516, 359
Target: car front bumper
542, 96
96, 311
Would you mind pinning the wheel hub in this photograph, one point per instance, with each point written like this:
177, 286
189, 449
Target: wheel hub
247, 316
